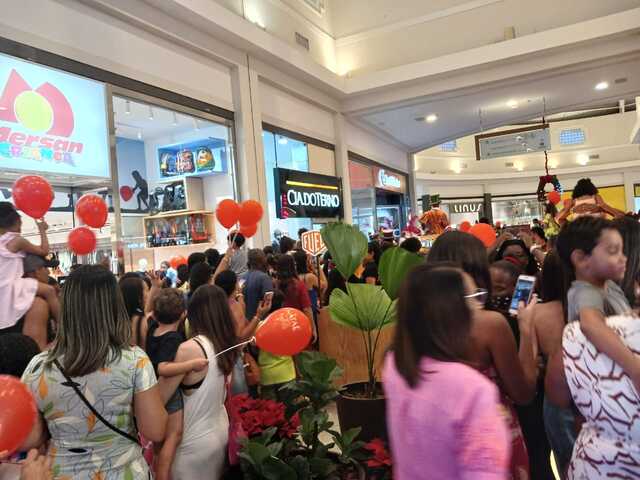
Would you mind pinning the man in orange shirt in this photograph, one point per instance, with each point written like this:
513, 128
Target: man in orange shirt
434, 221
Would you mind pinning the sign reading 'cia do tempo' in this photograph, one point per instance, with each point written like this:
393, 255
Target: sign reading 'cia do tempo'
51, 121
307, 195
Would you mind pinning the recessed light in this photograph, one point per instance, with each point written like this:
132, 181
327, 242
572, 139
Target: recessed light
553, 163
512, 104
431, 118
519, 166
127, 105
582, 159
602, 86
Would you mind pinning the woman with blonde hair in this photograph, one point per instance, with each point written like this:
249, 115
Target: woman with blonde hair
92, 384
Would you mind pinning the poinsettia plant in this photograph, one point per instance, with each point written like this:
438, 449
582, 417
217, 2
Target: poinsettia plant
257, 415
379, 464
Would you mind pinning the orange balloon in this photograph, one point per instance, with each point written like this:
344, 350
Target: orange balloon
17, 413
81, 241
485, 233
465, 226
286, 331
176, 261
554, 197
250, 212
228, 212
92, 210
248, 230
33, 195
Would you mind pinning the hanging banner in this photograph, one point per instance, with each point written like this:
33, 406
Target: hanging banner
307, 195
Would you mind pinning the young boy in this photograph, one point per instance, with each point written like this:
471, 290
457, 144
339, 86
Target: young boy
163, 340
593, 249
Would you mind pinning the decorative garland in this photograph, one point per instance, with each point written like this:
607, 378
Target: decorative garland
547, 179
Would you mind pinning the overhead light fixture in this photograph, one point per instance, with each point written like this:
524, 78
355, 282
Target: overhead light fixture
140, 134
582, 159
456, 167
519, 166
431, 118
512, 103
127, 107
196, 126
553, 163
150, 113
282, 141
602, 86
175, 119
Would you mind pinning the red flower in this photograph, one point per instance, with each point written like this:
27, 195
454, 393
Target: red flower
380, 455
258, 415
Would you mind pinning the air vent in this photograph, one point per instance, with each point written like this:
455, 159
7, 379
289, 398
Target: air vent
508, 164
594, 157
302, 41
618, 81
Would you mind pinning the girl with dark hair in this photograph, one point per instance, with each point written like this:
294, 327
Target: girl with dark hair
549, 222
200, 274
464, 436
586, 200
629, 228
93, 347
206, 424
493, 349
294, 290
517, 249
135, 293
306, 274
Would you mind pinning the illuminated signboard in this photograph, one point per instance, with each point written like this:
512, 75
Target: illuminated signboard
51, 121
387, 180
307, 195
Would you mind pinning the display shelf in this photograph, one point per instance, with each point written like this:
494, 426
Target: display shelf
175, 229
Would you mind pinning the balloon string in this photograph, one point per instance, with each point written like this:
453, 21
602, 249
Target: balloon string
235, 346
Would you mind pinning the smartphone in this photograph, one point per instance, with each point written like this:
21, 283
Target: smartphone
268, 296
522, 293
241, 283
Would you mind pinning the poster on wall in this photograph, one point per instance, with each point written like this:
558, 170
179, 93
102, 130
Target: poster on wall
51, 121
200, 157
307, 195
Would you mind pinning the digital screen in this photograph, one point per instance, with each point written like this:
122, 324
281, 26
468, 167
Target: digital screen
521, 293
194, 158
307, 195
51, 121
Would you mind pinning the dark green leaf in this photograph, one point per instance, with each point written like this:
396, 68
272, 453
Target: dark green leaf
347, 246
365, 307
394, 266
276, 469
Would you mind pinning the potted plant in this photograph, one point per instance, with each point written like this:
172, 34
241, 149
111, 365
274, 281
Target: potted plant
368, 309
284, 439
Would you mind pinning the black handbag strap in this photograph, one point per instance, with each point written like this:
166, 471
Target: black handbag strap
108, 424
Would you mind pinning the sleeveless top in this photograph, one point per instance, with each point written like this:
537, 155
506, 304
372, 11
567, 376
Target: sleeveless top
16, 293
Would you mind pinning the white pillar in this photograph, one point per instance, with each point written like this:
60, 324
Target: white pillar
248, 143
342, 164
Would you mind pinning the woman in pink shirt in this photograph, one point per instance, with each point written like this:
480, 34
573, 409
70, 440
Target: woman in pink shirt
443, 417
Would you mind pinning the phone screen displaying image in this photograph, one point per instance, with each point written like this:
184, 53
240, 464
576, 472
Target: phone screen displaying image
522, 292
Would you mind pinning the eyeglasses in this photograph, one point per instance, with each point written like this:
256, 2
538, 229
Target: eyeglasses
480, 295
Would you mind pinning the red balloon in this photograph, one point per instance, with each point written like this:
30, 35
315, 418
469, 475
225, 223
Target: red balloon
485, 233
33, 195
227, 213
250, 212
176, 261
465, 226
248, 230
286, 331
126, 193
554, 197
82, 241
17, 413
92, 210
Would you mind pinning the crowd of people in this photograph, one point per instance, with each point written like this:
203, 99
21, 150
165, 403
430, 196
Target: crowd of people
131, 374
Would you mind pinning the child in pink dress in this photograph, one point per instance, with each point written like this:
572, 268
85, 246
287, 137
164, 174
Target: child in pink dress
17, 294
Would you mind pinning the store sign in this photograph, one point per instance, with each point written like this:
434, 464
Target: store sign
387, 180
307, 195
312, 243
466, 207
51, 121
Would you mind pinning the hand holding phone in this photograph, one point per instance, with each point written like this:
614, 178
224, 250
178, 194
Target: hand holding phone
522, 293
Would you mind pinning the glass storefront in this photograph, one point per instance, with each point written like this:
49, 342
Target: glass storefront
517, 211
169, 159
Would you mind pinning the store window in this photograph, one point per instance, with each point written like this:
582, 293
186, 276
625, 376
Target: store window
173, 169
520, 211
283, 152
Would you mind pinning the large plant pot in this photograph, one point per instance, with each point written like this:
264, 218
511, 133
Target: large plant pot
355, 410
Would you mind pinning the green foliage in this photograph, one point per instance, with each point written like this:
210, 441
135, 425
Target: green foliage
364, 307
394, 266
347, 246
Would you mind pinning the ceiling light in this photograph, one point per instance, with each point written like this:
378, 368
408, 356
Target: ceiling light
583, 159
127, 106
519, 166
196, 126
602, 86
456, 167
150, 113
175, 119
553, 164
512, 104
282, 141
431, 118
139, 134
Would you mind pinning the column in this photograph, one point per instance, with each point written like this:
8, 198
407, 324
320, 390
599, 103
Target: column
248, 143
342, 164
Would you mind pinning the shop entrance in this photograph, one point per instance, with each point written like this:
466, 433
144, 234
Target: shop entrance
390, 211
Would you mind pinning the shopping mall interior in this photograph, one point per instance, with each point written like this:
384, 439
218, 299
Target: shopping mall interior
166, 108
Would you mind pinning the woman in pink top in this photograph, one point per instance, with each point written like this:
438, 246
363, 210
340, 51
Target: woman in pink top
443, 417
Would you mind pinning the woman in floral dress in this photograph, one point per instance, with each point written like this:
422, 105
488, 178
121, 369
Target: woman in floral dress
117, 380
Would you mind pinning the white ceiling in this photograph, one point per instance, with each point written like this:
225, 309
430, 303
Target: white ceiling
472, 110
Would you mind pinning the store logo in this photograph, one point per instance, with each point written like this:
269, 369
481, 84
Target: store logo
386, 180
43, 110
312, 199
